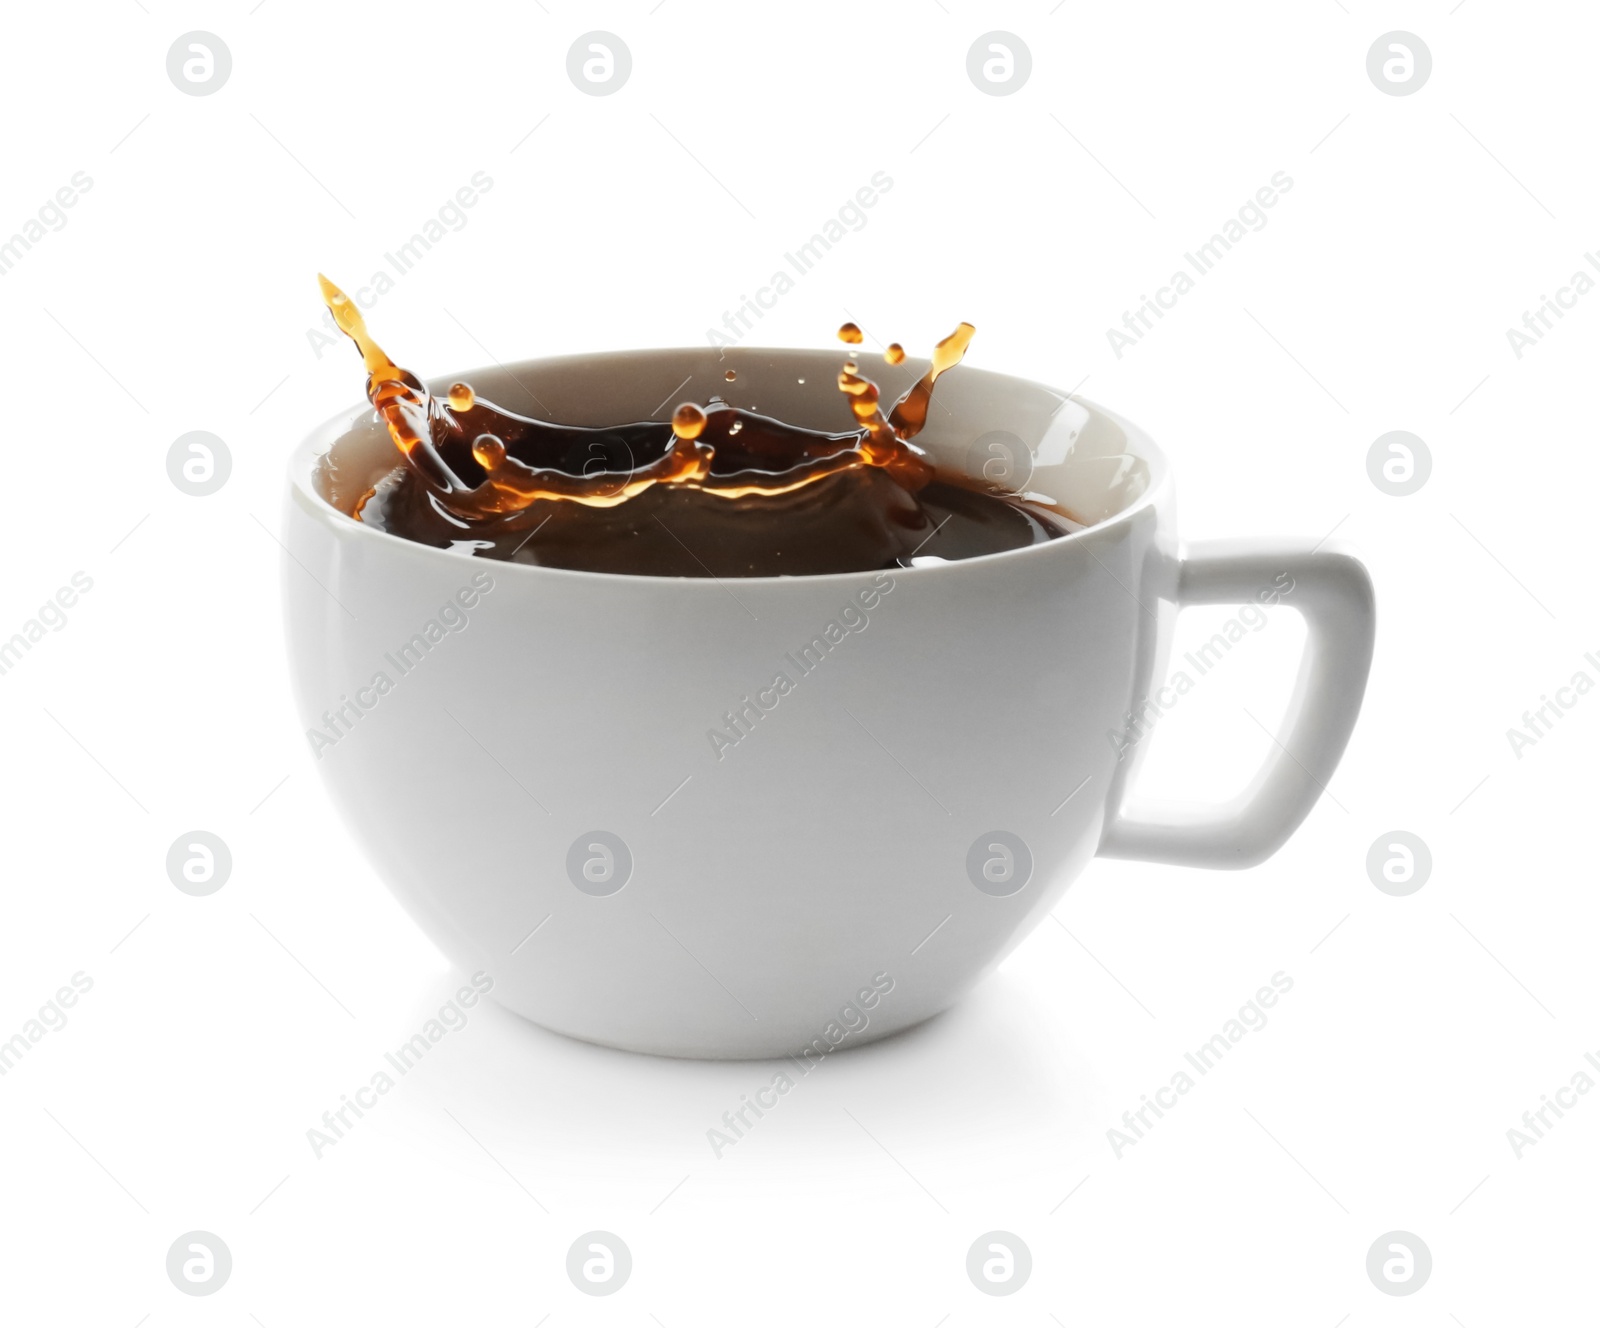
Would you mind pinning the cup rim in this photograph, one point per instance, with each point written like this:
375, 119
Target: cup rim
302, 462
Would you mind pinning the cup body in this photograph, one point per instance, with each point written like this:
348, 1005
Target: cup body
912, 765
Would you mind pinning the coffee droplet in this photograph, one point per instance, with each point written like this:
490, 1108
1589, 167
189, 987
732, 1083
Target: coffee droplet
730, 375
850, 334
488, 451
460, 397
895, 353
688, 421
850, 366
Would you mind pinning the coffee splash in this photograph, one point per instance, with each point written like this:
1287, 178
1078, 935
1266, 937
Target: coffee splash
721, 450
716, 490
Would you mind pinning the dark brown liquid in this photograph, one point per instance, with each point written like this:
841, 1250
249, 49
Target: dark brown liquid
716, 491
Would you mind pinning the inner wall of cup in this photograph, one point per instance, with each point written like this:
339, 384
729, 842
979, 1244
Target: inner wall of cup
1082, 458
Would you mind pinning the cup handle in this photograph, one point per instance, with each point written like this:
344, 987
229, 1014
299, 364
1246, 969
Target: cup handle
1333, 593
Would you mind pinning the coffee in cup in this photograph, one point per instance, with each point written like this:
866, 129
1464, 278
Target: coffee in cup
718, 490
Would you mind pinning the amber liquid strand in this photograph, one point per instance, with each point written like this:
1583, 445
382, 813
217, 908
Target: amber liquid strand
404, 408
912, 412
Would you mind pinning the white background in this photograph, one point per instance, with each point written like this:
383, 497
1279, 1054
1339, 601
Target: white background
218, 1030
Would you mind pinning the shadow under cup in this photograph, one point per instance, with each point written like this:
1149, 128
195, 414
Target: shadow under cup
734, 818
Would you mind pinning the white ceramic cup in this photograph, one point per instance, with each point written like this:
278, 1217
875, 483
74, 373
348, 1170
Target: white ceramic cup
526, 754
